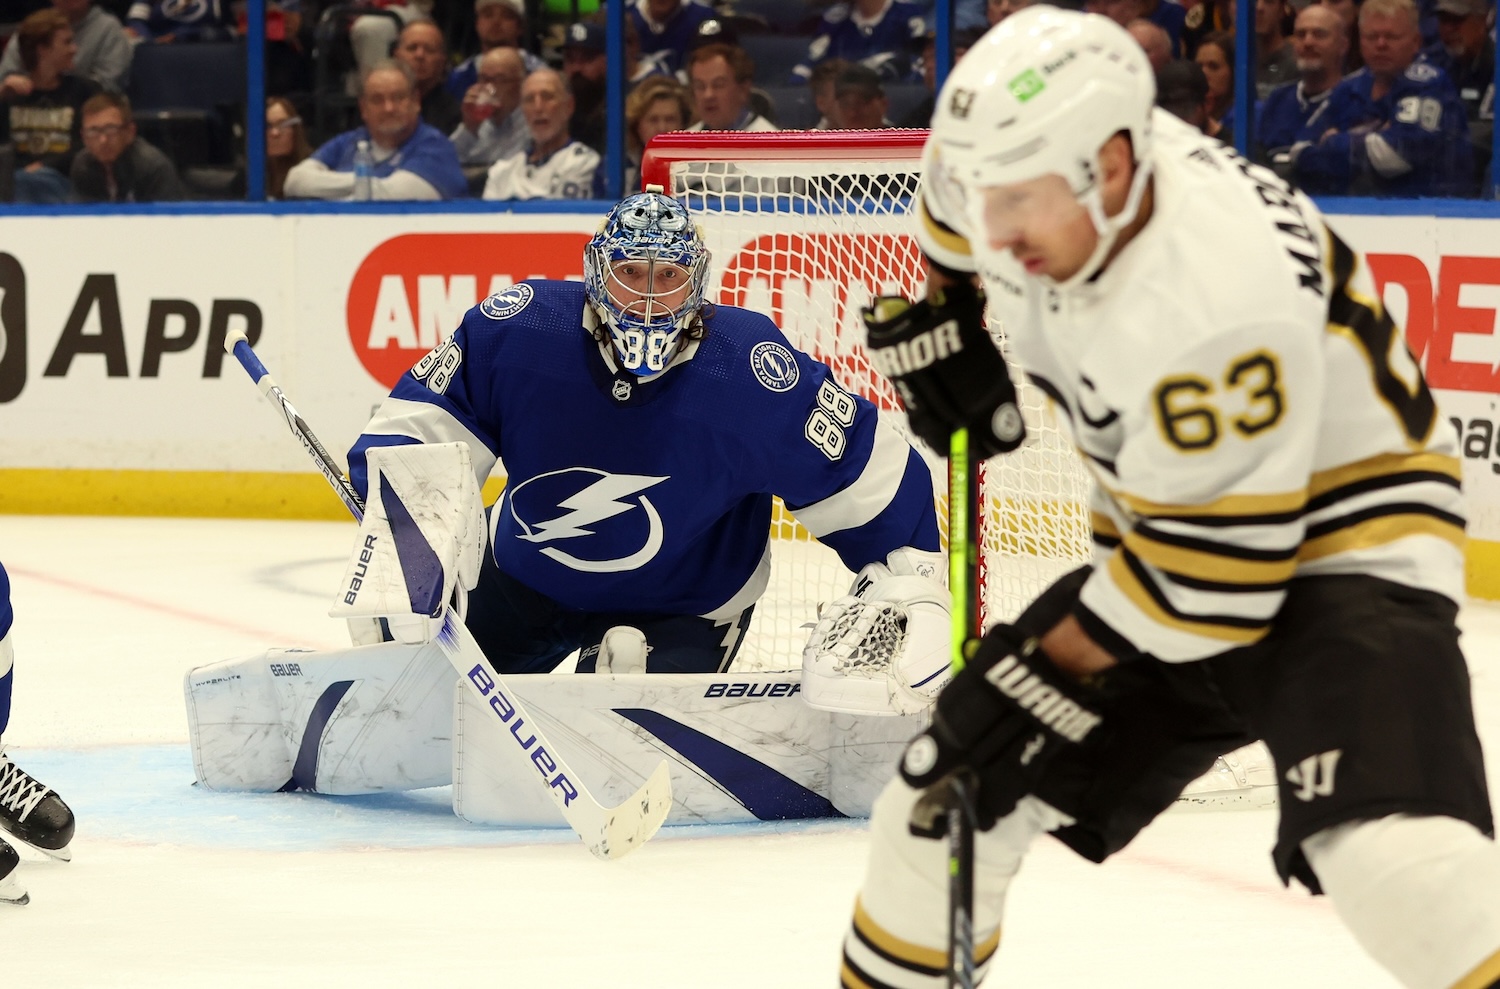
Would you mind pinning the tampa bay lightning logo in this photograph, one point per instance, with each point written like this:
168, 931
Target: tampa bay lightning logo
609, 522
774, 366
504, 305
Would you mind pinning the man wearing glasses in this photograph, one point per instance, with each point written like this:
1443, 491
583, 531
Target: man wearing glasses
116, 166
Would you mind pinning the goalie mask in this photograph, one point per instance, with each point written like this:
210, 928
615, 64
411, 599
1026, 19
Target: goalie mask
644, 274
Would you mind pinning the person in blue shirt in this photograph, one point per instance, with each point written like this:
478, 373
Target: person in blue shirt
885, 35
411, 159
1320, 44
1394, 128
644, 432
668, 28
1465, 50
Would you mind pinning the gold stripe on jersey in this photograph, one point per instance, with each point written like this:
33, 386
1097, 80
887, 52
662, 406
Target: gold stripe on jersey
943, 235
1215, 566
1106, 533
1234, 509
849, 980
1484, 976
931, 961
1138, 588
1398, 522
1395, 468
904, 954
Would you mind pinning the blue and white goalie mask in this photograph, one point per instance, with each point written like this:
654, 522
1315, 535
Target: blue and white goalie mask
644, 273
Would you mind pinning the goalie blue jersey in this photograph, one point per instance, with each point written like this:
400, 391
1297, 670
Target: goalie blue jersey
654, 496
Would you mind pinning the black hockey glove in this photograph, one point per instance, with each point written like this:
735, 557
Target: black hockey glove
946, 368
1002, 719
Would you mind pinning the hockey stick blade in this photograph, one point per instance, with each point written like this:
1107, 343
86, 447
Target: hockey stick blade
609, 832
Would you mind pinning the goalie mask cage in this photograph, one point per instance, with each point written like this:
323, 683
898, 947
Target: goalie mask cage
806, 226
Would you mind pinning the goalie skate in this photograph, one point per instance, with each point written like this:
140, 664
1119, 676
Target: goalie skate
1240, 780
11, 890
33, 812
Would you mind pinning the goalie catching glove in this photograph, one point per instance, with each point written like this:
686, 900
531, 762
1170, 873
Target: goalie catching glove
420, 544
883, 648
946, 367
1003, 718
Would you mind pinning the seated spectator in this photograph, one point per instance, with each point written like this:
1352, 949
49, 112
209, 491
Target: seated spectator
373, 38
824, 77
421, 46
104, 50
584, 66
639, 67
1320, 44
1394, 128
720, 77
667, 28
553, 166
1466, 51
861, 99
171, 20
1182, 91
656, 106
44, 106
1154, 41
885, 35
412, 160
116, 166
1215, 56
497, 24
1276, 63
493, 125
286, 144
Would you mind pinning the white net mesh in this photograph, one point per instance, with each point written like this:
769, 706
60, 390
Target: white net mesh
806, 228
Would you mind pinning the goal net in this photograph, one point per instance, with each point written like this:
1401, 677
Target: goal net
805, 227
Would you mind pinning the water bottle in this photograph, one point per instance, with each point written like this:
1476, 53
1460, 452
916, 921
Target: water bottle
364, 171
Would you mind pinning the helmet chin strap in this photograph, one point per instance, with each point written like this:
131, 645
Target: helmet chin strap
1107, 227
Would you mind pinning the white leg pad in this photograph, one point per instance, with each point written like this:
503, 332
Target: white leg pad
359, 720
904, 899
1420, 894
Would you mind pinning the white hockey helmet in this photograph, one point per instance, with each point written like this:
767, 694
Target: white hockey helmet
1040, 94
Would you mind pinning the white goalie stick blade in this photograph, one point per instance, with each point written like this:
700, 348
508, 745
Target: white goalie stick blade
609, 832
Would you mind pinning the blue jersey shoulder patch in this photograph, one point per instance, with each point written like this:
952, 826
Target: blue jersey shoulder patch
504, 305
774, 366
1422, 72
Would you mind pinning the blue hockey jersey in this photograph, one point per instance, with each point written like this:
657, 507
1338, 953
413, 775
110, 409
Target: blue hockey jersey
654, 496
669, 39
1413, 141
889, 44
1284, 114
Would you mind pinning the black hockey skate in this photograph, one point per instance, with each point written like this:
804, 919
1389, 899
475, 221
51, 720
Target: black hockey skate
11, 890
33, 812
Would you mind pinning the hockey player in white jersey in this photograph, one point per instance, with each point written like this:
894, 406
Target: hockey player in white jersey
644, 432
29, 810
1278, 522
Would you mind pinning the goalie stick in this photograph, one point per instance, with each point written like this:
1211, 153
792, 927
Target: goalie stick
609, 832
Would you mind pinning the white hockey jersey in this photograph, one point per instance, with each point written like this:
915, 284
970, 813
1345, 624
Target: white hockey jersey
1246, 406
567, 173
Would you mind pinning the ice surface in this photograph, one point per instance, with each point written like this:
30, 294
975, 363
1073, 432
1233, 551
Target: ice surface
171, 886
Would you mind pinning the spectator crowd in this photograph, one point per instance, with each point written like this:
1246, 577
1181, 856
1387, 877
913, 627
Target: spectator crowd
504, 100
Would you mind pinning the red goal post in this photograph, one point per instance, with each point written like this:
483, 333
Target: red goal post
806, 226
